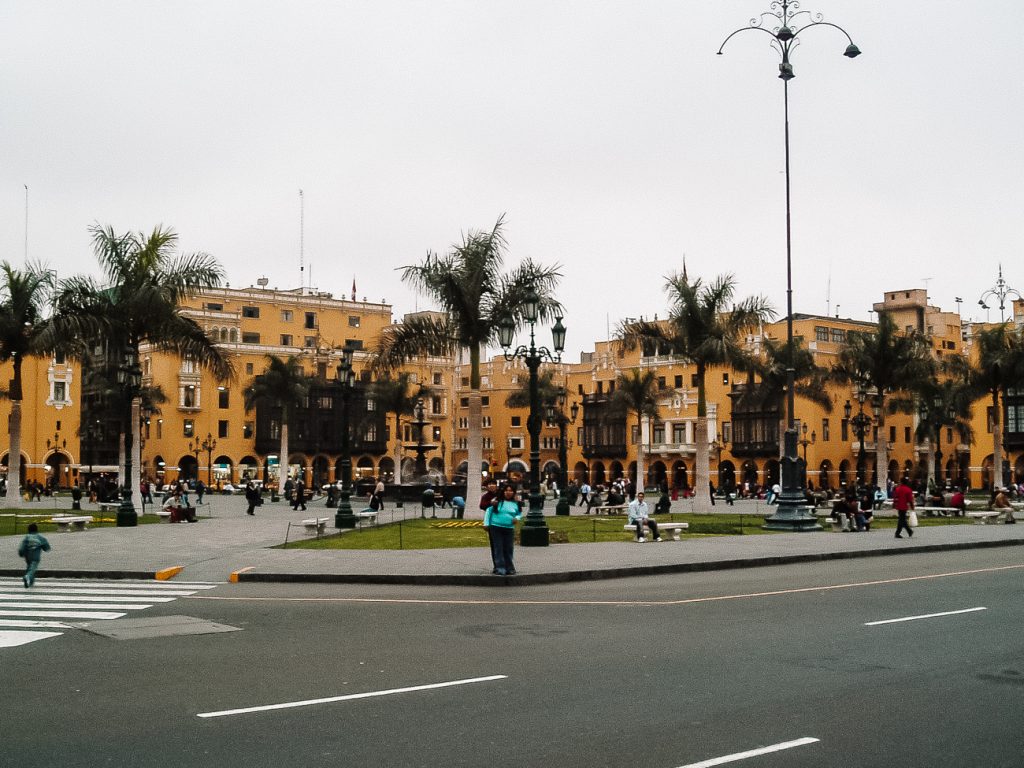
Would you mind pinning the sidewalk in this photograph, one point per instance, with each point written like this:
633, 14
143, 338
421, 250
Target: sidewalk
226, 540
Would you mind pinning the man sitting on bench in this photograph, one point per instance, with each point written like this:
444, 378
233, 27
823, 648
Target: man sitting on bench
639, 515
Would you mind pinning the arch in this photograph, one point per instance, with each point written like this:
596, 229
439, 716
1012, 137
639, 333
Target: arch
248, 469
844, 469
825, 475
188, 467
1018, 469
772, 472
460, 471
320, 468
58, 470
987, 465
24, 464
551, 471
159, 470
580, 472
234, 335
908, 469
615, 470
435, 468
656, 475
516, 465
223, 471
386, 469
749, 474
680, 476
597, 474
631, 472
297, 466
893, 472
726, 475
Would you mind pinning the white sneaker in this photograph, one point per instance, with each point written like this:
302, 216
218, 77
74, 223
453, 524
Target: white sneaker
658, 539
641, 540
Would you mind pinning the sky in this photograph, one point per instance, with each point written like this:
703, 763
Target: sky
609, 134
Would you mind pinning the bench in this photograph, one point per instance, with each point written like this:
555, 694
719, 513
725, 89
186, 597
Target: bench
109, 506
990, 515
315, 524
70, 523
608, 509
178, 514
939, 511
672, 528
367, 516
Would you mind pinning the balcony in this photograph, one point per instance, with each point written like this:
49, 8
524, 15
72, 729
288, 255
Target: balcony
689, 449
607, 451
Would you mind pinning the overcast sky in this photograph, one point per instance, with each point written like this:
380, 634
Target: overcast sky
610, 134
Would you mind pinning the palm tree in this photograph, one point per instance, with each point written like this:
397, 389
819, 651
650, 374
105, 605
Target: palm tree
886, 362
395, 395
282, 386
475, 296
140, 302
705, 327
636, 391
23, 325
999, 365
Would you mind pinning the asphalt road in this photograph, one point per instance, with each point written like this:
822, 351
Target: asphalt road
657, 671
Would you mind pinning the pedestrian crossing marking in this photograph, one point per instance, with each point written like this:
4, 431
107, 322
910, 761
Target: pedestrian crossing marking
27, 616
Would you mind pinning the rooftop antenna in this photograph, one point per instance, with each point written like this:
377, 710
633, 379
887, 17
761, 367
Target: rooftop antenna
926, 280
828, 292
302, 239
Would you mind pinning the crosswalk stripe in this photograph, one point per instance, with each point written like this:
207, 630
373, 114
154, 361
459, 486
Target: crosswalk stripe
65, 614
118, 583
117, 592
33, 595
11, 638
73, 606
29, 623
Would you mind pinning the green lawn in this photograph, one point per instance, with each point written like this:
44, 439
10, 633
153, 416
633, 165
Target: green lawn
16, 521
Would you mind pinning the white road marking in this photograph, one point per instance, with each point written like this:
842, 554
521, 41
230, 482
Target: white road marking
751, 753
25, 623
923, 616
53, 590
350, 697
33, 595
65, 614
112, 584
74, 606
12, 638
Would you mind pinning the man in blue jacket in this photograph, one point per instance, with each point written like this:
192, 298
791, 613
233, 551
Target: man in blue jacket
32, 548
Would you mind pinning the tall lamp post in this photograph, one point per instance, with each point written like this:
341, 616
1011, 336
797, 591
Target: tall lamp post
804, 442
558, 416
208, 445
860, 424
1000, 291
788, 24
129, 376
535, 530
344, 518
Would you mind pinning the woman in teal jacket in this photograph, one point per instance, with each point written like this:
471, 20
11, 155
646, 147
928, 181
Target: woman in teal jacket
32, 548
500, 523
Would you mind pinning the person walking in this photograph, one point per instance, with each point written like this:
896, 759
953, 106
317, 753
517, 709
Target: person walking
903, 502
585, 496
500, 522
711, 488
252, 497
200, 490
640, 515
32, 548
299, 489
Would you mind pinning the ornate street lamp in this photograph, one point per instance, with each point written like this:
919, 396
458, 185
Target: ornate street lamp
1000, 291
860, 424
805, 442
789, 23
535, 530
344, 518
129, 376
208, 445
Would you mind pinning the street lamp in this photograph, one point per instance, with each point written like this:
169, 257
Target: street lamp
129, 376
208, 444
860, 424
792, 513
344, 518
805, 442
563, 421
535, 530
1000, 291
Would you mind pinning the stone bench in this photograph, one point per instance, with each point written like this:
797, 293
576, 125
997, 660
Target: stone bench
608, 509
366, 516
315, 524
674, 529
990, 515
67, 523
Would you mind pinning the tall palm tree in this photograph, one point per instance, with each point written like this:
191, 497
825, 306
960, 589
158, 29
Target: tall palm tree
468, 284
282, 386
705, 327
886, 362
396, 395
23, 298
139, 301
636, 391
998, 366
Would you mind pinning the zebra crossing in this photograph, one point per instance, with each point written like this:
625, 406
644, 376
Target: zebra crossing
30, 615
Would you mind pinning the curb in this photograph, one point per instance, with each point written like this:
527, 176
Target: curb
529, 579
82, 574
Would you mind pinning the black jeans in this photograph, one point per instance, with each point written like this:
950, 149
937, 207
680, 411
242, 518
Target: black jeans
901, 522
650, 524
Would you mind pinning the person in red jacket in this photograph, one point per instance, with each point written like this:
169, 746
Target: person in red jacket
903, 502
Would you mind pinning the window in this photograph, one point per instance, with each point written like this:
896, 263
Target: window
820, 333
189, 428
906, 434
222, 428
60, 391
353, 321
223, 398
838, 336
59, 358
436, 406
693, 379
159, 428
463, 423
725, 379
248, 369
485, 400
253, 312
370, 435
825, 434
892, 434
679, 433
661, 382
248, 337
371, 405
188, 396
678, 383
438, 378
726, 432
658, 433
310, 320
465, 381
949, 434
515, 443
247, 430
464, 402
309, 342
634, 435
354, 343
286, 339
437, 434
286, 315
517, 421
488, 443
214, 306
485, 422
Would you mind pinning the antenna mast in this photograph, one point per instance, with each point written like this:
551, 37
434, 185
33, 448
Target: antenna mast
302, 239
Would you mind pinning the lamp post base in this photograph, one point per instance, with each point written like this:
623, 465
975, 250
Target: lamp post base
793, 514
535, 531
127, 517
562, 507
344, 518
